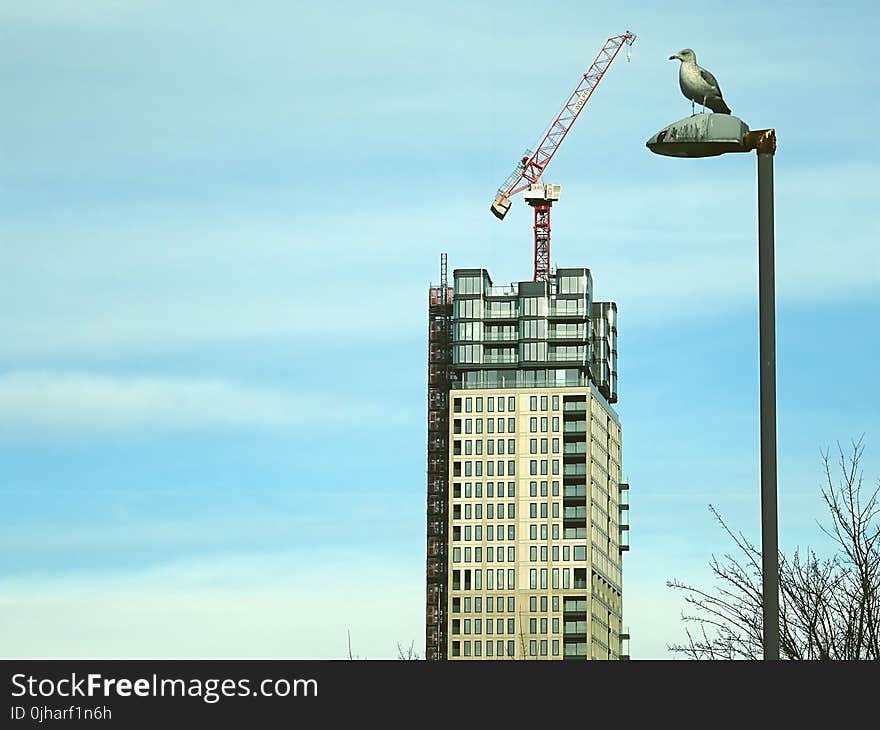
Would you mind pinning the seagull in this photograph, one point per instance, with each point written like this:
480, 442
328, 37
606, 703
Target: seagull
697, 84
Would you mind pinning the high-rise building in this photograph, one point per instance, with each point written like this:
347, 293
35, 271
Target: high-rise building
526, 518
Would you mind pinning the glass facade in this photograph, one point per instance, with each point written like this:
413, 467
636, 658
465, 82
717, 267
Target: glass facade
533, 334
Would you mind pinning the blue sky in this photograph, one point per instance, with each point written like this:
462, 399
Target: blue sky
218, 226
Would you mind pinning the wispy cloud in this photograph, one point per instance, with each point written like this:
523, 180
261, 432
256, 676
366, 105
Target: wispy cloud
77, 403
207, 608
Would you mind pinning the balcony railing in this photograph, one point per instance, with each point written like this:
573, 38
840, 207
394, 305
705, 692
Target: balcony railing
495, 337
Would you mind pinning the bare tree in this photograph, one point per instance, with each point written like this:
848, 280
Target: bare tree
407, 653
350, 655
829, 607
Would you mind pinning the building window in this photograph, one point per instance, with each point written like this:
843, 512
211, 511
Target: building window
533, 578
533, 403
555, 402
511, 425
511, 403
456, 648
543, 402
533, 425
533, 467
533, 647
556, 424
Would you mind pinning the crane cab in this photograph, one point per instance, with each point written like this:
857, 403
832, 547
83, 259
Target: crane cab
539, 194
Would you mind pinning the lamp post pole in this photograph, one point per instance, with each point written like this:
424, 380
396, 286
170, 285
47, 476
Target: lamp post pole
764, 142
709, 135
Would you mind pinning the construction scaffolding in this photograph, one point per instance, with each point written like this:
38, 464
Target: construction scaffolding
439, 380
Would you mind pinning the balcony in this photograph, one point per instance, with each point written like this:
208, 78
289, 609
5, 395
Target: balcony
574, 406
501, 291
555, 334
500, 337
574, 490
574, 427
500, 359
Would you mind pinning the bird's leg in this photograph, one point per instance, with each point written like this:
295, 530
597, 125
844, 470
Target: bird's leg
693, 109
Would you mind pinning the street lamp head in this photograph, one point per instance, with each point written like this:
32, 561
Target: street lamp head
702, 135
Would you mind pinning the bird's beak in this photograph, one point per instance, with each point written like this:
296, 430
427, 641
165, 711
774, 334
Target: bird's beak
673, 57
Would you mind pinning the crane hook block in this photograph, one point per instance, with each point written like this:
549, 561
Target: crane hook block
500, 206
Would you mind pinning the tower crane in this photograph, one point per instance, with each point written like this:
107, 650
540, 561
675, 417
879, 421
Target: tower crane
526, 177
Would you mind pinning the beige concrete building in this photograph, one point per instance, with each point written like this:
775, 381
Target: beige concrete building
526, 508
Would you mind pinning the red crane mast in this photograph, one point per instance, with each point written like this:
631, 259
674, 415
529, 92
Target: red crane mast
527, 174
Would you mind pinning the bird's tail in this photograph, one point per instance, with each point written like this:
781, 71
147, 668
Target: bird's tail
722, 108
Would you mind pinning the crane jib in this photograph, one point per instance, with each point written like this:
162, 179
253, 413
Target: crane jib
527, 174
